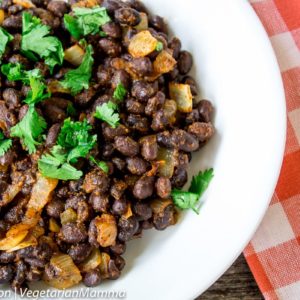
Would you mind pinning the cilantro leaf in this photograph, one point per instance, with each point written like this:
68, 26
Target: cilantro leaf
86, 21
36, 41
14, 72
36, 94
75, 137
159, 46
101, 164
54, 165
29, 129
78, 79
190, 199
107, 113
5, 144
5, 37
120, 92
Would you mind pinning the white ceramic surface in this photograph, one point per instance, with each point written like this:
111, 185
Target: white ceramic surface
236, 69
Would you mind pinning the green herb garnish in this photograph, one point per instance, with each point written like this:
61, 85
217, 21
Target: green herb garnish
101, 164
86, 21
36, 41
5, 144
190, 199
5, 38
159, 46
29, 129
78, 79
107, 113
55, 165
120, 92
76, 138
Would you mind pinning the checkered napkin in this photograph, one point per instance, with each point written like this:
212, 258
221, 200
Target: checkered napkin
274, 252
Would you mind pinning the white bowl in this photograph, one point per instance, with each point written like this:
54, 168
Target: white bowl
236, 69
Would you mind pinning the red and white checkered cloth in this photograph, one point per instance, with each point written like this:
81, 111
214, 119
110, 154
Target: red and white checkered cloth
274, 252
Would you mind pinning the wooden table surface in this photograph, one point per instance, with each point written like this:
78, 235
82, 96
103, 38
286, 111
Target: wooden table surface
236, 284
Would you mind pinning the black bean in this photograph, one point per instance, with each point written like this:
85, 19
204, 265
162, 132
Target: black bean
34, 274
138, 5
5, 4
96, 179
16, 42
111, 5
179, 178
143, 188
73, 201
107, 150
158, 23
137, 122
136, 165
92, 278
110, 47
80, 252
142, 66
145, 225
120, 262
6, 274
54, 113
118, 248
203, 131
184, 141
12, 22
163, 187
119, 163
143, 90
134, 107
20, 274
205, 110
83, 212
142, 210
35, 262
119, 207
126, 145
104, 75
18, 58
120, 77
73, 233
112, 30
52, 135
12, 98
113, 270
44, 69
185, 62
166, 218
55, 208
159, 121
85, 97
149, 147
99, 201
47, 17
175, 46
127, 16
58, 8
93, 234
128, 227
192, 117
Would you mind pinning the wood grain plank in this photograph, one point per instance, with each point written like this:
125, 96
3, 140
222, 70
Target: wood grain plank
236, 284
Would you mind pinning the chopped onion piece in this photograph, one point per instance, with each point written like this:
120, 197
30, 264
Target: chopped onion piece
74, 55
106, 230
105, 258
128, 213
2, 16
68, 216
12, 239
167, 158
182, 94
53, 226
164, 63
92, 262
29, 240
24, 3
159, 205
142, 44
170, 108
66, 272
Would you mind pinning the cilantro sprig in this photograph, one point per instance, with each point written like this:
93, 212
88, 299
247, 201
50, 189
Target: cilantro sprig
100, 164
107, 112
5, 144
29, 129
78, 79
190, 199
5, 38
159, 46
75, 137
86, 21
55, 165
74, 141
36, 42
120, 92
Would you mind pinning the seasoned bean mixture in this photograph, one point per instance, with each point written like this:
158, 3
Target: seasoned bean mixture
98, 120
